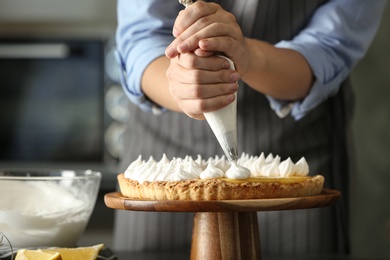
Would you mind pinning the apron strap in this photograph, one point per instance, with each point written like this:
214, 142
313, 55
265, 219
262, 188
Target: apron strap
245, 11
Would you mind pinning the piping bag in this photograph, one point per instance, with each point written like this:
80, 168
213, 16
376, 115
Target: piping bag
223, 122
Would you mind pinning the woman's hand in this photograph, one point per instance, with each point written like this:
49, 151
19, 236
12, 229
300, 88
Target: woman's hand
206, 28
201, 84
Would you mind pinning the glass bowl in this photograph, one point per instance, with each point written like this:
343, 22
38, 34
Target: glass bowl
41, 208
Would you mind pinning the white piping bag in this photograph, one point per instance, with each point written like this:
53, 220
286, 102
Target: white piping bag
223, 122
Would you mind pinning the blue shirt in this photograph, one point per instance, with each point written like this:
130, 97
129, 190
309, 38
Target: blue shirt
337, 37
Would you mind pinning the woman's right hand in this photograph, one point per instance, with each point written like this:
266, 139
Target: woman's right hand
208, 28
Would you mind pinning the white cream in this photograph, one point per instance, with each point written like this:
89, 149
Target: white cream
269, 158
221, 163
179, 174
212, 172
238, 172
257, 165
286, 168
166, 172
217, 167
193, 169
271, 169
164, 159
301, 168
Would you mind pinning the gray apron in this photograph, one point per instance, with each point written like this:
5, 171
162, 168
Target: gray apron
321, 137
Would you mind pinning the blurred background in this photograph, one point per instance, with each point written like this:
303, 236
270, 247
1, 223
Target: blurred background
77, 38
371, 209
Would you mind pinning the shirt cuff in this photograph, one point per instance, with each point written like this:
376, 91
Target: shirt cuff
298, 109
321, 89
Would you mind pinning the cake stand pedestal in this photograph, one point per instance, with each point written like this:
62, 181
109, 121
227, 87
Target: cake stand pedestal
224, 229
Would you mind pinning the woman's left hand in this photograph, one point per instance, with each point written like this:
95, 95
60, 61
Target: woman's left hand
201, 84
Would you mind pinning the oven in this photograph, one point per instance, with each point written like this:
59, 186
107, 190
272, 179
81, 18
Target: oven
52, 104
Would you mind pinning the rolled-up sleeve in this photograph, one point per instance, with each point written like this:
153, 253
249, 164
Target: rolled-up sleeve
336, 38
144, 31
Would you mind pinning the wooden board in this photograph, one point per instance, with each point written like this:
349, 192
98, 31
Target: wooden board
327, 197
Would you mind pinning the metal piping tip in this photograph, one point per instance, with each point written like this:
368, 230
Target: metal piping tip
232, 154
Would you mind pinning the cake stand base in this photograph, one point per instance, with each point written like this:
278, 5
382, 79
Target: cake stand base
225, 235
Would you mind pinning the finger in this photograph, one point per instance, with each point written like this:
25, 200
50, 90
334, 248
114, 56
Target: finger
198, 92
200, 106
197, 76
172, 50
196, 116
220, 44
191, 43
192, 14
205, 74
202, 53
208, 63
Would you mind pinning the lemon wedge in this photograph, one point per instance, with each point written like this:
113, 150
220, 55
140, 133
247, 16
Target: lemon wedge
78, 253
24, 254
85, 253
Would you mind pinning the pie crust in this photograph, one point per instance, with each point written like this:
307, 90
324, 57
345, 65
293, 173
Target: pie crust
222, 188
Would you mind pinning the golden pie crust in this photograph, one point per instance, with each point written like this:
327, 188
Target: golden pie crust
222, 189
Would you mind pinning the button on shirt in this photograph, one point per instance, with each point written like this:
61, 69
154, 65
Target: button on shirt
336, 38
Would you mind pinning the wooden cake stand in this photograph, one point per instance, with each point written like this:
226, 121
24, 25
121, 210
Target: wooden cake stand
224, 229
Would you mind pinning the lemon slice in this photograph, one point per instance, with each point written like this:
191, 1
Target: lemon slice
24, 254
85, 253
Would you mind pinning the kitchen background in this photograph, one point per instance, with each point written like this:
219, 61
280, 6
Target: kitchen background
88, 26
